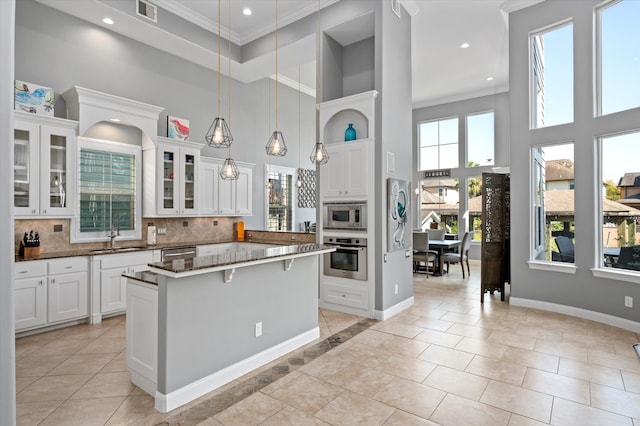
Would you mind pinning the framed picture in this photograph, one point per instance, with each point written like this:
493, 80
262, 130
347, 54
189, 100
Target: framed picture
177, 128
398, 228
33, 98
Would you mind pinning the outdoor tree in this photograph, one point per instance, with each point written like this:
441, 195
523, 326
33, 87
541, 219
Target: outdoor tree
612, 191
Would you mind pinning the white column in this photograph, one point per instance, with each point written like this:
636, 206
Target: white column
7, 334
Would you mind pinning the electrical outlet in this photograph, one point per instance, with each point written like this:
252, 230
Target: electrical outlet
395, 289
259, 329
628, 301
385, 258
215, 223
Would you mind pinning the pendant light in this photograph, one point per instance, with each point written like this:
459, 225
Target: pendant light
319, 154
229, 169
276, 145
219, 134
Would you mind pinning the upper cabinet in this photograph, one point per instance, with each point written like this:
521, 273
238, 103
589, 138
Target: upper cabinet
171, 174
345, 174
44, 169
348, 174
225, 197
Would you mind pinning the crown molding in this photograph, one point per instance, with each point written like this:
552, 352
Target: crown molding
287, 81
514, 5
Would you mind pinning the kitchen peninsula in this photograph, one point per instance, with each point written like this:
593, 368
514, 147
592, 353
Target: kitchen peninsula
196, 324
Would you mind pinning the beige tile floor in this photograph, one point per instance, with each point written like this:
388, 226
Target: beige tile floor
446, 360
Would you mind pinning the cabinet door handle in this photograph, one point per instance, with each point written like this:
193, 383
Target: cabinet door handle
53, 280
68, 267
23, 272
40, 282
44, 211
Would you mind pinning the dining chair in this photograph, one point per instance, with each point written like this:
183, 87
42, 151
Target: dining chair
462, 256
436, 234
422, 254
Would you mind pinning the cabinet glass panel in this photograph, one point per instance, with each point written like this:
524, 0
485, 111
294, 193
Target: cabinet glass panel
168, 195
189, 173
21, 168
57, 171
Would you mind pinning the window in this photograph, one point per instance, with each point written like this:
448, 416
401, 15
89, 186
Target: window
439, 203
438, 144
620, 208
474, 191
551, 77
480, 139
280, 198
618, 56
109, 187
553, 214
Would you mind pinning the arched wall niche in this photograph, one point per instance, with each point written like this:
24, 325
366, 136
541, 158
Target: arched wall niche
90, 108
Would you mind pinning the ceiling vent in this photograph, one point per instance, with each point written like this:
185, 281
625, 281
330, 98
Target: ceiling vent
147, 10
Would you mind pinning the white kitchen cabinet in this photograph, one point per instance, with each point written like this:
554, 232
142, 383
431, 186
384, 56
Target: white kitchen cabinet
50, 291
109, 287
226, 197
171, 173
345, 175
44, 171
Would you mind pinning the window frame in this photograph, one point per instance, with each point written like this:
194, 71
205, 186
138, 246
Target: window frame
466, 129
289, 171
438, 145
532, 82
114, 147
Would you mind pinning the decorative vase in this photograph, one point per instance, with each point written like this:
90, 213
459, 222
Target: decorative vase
350, 133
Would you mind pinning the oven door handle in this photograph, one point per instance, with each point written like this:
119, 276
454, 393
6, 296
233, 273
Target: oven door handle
350, 248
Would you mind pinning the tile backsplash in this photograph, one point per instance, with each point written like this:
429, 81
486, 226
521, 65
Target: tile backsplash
205, 229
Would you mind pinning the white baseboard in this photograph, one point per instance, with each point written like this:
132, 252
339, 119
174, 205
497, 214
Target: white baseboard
577, 312
147, 385
394, 310
166, 403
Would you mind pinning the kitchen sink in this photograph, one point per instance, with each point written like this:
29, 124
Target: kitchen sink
117, 250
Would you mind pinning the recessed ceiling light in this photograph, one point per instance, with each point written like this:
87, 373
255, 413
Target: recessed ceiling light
489, 78
107, 21
115, 120
246, 11
464, 45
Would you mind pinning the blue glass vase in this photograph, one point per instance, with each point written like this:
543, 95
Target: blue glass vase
350, 133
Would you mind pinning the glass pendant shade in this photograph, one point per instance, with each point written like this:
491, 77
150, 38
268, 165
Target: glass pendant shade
219, 134
276, 145
229, 170
319, 154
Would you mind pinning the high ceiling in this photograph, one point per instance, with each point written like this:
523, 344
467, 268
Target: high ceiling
442, 71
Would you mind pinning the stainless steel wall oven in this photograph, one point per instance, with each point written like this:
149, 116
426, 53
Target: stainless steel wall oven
349, 260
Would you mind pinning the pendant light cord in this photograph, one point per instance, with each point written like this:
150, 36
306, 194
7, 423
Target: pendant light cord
319, 72
219, 19
229, 73
276, 64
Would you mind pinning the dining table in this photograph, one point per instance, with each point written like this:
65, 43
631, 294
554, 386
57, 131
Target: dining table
440, 246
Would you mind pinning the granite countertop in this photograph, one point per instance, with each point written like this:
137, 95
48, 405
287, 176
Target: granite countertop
240, 258
101, 251
144, 276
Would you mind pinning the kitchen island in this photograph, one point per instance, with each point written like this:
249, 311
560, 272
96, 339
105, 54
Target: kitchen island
196, 324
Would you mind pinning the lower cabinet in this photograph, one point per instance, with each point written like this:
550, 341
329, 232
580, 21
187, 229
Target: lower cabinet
109, 286
50, 291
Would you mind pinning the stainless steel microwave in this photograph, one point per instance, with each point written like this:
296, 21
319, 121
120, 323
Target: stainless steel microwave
345, 215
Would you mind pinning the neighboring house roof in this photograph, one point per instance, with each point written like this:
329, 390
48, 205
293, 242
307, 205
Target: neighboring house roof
436, 183
630, 179
555, 170
430, 198
561, 203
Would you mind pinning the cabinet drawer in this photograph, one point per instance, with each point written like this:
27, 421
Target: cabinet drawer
34, 268
354, 297
67, 265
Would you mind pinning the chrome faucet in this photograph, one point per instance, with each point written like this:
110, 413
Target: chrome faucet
114, 232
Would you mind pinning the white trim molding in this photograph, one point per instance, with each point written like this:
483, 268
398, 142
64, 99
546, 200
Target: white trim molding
577, 312
394, 310
165, 403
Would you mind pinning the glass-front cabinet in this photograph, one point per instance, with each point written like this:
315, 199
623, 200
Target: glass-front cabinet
43, 167
177, 164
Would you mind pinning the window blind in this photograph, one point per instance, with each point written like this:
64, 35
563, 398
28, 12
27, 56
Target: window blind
107, 190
